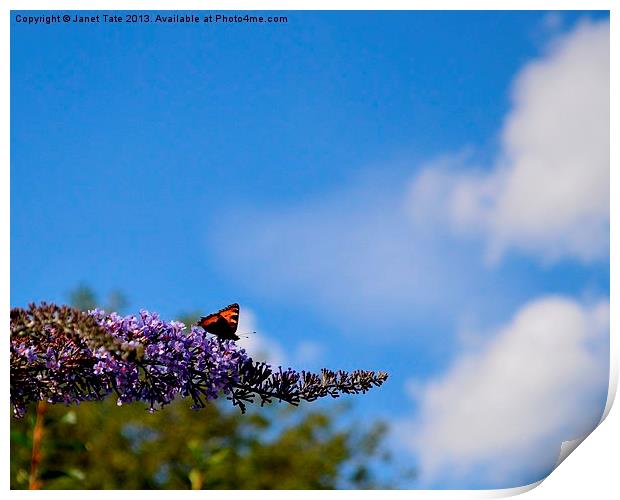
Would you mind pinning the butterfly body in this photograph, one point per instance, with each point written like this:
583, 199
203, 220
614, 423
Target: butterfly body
223, 324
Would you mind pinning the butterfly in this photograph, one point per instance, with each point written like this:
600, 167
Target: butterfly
223, 324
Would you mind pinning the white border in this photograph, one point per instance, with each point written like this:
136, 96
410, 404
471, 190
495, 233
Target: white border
592, 470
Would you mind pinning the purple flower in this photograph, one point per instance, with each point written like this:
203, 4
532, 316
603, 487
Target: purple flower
31, 355
99, 368
143, 358
174, 363
28, 352
52, 361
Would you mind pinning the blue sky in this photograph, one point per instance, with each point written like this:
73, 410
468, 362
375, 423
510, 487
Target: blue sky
352, 179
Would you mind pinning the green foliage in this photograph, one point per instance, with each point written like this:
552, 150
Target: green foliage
84, 298
101, 446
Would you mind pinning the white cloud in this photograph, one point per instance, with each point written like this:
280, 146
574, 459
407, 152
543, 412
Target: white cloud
548, 192
505, 409
258, 345
353, 256
360, 259
308, 353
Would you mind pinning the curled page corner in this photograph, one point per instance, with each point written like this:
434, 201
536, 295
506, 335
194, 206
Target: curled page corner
568, 447
518, 490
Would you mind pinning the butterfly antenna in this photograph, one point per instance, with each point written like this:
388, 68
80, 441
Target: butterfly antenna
245, 335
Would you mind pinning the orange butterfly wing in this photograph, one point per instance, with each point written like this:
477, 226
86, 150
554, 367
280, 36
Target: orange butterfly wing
223, 324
